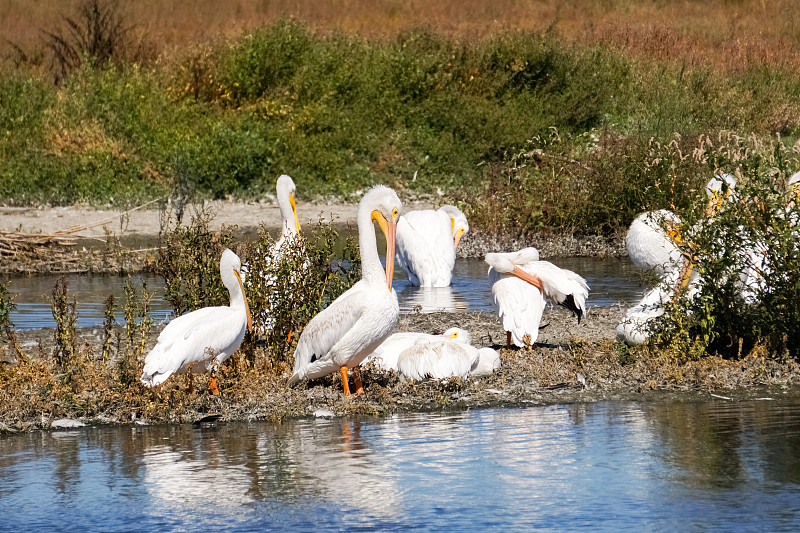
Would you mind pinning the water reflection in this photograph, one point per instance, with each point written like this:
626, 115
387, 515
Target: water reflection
730, 466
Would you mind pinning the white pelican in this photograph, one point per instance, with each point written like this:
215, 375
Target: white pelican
351, 327
651, 241
385, 355
520, 284
266, 283
203, 339
447, 357
427, 242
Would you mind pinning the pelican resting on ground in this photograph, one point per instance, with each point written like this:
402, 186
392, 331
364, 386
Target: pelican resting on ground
349, 329
427, 242
520, 286
203, 339
448, 356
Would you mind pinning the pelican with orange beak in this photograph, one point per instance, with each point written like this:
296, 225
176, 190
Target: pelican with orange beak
426, 244
342, 335
203, 339
520, 286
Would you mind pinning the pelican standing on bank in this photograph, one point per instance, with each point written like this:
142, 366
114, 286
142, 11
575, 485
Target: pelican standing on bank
427, 242
520, 285
203, 339
349, 329
266, 282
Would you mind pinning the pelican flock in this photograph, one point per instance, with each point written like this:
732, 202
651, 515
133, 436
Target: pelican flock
357, 327
426, 244
203, 339
342, 335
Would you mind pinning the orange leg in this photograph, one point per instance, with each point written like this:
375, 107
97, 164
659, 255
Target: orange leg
213, 386
357, 379
343, 373
289, 336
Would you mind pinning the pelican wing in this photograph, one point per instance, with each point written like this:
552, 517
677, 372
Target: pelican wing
196, 338
437, 360
327, 328
563, 286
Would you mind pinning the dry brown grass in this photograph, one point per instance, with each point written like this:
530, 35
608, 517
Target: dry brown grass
728, 34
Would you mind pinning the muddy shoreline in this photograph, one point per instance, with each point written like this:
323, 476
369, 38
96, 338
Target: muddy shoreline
570, 363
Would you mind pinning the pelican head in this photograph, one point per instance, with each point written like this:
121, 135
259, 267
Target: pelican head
794, 186
459, 335
384, 207
230, 269
458, 221
285, 190
719, 189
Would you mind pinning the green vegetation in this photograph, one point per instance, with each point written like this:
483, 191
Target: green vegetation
574, 127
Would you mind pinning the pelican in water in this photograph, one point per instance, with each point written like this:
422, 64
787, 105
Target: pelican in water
266, 282
349, 329
520, 286
203, 339
426, 244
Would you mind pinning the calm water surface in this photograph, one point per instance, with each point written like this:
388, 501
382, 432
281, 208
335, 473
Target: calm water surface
700, 466
610, 280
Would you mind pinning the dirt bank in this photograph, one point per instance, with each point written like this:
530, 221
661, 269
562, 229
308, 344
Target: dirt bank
570, 363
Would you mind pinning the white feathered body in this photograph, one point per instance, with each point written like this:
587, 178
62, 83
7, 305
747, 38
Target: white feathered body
347, 331
425, 247
387, 353
488, 362
204, 338
648, 243
438, 360
520, 305
195, 342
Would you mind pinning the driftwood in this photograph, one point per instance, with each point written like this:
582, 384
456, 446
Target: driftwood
13, 243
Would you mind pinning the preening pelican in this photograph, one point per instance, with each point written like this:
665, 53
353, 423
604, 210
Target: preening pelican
385, 355
520, 285
342, 335
203, 339
651, 241
427, 242
290, 225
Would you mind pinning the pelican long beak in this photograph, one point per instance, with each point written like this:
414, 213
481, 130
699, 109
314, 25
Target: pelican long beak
536, 281
389, 230
457, 238
294, 212
246, 305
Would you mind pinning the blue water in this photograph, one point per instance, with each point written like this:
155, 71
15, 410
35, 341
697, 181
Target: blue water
610, 280
694, 466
